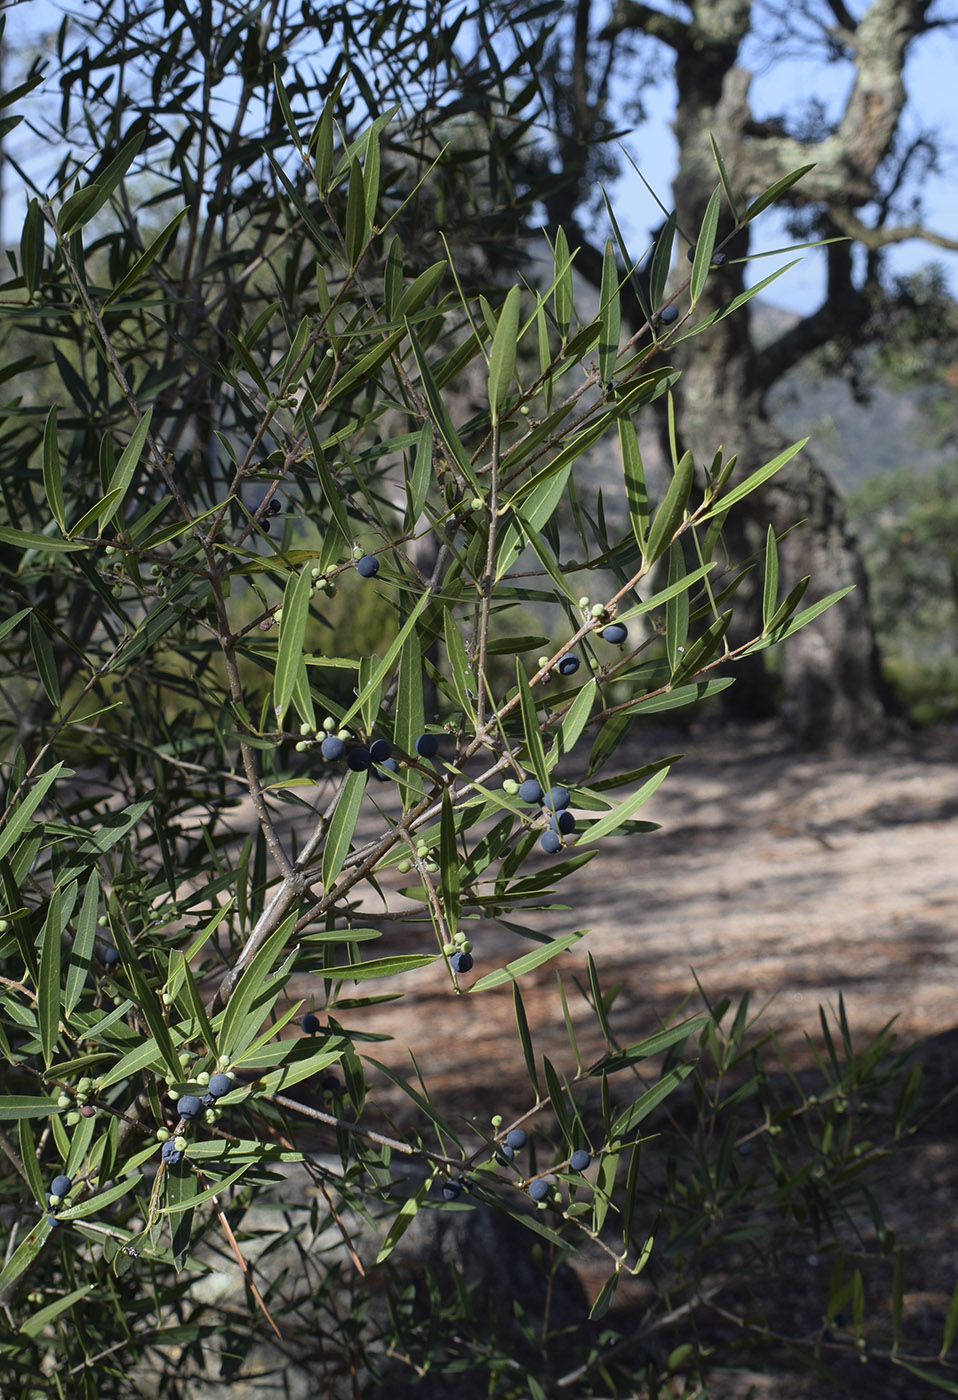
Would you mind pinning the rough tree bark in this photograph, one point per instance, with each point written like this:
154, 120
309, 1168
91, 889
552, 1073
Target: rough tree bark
835, 696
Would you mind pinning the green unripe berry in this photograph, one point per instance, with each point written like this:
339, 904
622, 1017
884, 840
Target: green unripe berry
584, 602
84, 1086
476, 503
543, 661
305, 728
72, 1119
278, 614
64, 1101
525, 410
180, 1143
496, 1120
54, 1200
203, 1078
465, 946
431, 866
449, 949
223, 1061
101, 921
301, 746
597, 610
166, 999
329, 724
459, 936
510, 786
209, 1117
404, 867
162, 1134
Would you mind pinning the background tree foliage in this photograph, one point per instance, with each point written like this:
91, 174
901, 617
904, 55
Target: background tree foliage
233, 294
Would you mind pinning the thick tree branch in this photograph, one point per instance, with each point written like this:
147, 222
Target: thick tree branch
875, 238
630, 14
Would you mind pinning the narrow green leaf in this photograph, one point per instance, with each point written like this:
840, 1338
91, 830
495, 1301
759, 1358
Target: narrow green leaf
31, 247
676, 699
701, 651
331, 493
385, 664
235, 1035
562, 296
18, 817
531, 728
787, 607
502, 356
770, 195
26, 1106
652, 1045
122, 473
342, 826
147, 1054
401, 1221
440, 414
623, 811
604, 1298
770, 592
52, 477
951, 1326
28, 539
802, 619
520, 966
634, 475
462, 677
705, 245
671, 512
147, 258
292, 634
419, 291
286, 108
48, 985
751, 483
610, 314
45, 661
449, 865
650, 1100
661, 262
723, 176
74, 212
676, 609
357, 228
574, 721
30, 1159
380, 967
525, 1040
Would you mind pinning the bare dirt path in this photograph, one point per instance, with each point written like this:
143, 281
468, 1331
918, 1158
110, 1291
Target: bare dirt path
782, 873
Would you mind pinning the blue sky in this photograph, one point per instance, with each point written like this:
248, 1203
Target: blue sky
776, 87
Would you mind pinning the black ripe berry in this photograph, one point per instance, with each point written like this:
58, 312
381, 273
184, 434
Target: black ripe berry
332, 748
380, 750
530, 791
171, 1154
358, 759
309, 1024
579, 1160
691, 253
60, 1186
557, 799
461, 962
384, 769
368, 566
718, 259
451, 1189
516, 1138
189, 1106
568, 664
109, 957
332, 1085
668, 314
427, 745
275, 506
616, 632
564, 823
538, 1189
219, 1085
550, 843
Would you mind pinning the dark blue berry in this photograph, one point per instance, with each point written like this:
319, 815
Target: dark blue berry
332, 748
368, 566
309, 1024
427, 745
718, 259
539, 1189
668, 314
109, 957
332, 1085
60, 1186
219, 1085
691, 253
564, 823
380, 750
171, 1155
461, 962
208, 1100
383, 770
557, 799
451, 1189
189, 1106
550, 843
616, 632
568, 664
516, 1138
579, 1160
530, 791
275, 506
358, 759
504, 1155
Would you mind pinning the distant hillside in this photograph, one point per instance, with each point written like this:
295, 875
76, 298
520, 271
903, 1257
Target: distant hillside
852, 441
